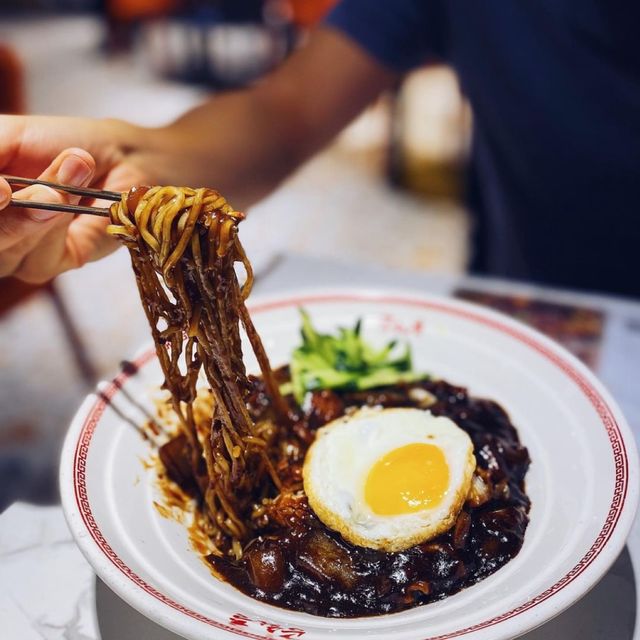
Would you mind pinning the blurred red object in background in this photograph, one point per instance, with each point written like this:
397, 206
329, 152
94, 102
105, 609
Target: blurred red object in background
12, 100
13, 291
11, 82
124, 15
130, 10
307, 13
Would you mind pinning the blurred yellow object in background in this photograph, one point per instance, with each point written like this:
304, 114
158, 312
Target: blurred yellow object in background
430, 134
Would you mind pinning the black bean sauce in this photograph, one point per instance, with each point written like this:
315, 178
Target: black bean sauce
298, 563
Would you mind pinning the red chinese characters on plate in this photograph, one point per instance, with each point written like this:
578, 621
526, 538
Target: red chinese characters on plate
391, 324
278, 631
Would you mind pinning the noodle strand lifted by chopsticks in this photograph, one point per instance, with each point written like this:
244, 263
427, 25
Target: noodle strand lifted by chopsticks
183, 244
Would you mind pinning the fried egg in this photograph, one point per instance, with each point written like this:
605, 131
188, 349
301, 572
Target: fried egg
389, 478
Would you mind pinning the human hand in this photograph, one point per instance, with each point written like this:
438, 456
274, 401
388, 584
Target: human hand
37, 245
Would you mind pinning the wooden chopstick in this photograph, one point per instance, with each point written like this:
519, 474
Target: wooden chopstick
63, 208
98, 194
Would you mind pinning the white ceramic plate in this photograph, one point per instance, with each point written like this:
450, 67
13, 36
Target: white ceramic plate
583, 480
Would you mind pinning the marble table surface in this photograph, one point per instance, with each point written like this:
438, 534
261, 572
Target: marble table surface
48, 591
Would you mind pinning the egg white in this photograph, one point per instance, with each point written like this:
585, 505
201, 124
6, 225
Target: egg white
338, 462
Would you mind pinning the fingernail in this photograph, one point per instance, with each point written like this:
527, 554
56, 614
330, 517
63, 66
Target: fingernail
42, 194
73, 171
42, 216
4, 199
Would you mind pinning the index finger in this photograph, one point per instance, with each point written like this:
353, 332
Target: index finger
21, 231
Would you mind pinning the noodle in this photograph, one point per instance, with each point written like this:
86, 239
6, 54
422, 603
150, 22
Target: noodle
183, 244
241, 447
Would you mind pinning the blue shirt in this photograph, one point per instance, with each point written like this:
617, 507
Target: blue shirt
555, 90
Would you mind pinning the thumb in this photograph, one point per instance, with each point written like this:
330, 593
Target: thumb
31, 240
73, 167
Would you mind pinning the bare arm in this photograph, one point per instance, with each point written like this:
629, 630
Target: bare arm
242, 143
246, 142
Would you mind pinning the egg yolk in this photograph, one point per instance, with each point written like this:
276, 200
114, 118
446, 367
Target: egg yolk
407, 479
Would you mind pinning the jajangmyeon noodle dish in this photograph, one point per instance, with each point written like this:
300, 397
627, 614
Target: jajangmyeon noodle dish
343, 483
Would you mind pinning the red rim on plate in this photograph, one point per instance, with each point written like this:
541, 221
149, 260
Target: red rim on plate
607, 419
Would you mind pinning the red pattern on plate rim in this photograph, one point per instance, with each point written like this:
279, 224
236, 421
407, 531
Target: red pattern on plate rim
603, 410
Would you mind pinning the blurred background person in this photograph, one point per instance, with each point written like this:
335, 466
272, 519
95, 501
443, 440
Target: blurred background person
555, 127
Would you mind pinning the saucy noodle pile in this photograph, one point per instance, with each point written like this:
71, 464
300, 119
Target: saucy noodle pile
184, 246
241, 445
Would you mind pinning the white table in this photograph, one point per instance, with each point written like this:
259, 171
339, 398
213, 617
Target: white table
48, 591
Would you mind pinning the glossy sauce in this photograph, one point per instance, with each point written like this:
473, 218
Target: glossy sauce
297, 563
